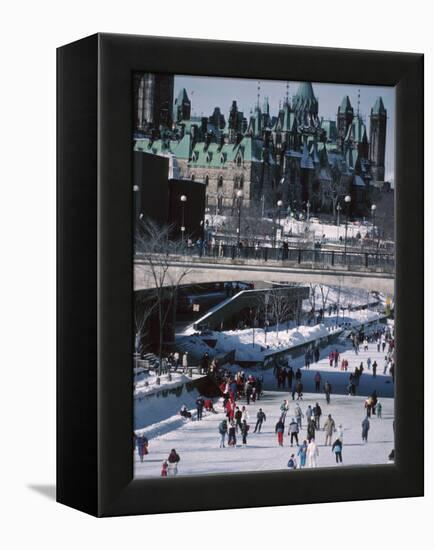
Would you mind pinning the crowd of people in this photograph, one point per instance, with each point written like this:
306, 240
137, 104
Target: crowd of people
241, 394
180, 362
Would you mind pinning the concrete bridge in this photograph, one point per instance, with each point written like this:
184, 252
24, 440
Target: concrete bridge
198, 269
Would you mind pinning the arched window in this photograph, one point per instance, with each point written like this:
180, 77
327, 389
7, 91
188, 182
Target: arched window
220, 182
207, 180
192, 177
241, 182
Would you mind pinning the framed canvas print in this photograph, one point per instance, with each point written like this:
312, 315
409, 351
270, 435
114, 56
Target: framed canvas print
240, 274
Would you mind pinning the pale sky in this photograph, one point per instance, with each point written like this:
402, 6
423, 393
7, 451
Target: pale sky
206, 93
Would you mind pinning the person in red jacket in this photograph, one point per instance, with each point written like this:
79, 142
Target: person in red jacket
208, 405
230, 409
280, 429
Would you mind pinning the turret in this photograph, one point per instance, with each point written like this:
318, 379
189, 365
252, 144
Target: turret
377, 146
344, 118
182, 107
305, 104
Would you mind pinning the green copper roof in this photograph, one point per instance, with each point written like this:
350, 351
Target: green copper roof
378, 108
305, 101
305, 91
181, 149
345, 105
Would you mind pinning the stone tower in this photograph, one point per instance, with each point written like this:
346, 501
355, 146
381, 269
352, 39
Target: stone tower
182, 107
344, 118
235, 123
377, 146
153, 99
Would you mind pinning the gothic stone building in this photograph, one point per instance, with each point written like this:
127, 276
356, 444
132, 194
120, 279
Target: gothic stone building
295, 156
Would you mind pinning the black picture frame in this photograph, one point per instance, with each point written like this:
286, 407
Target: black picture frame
94, 273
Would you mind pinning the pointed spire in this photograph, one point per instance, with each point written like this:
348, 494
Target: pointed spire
305, 91
378, 108
345, 105
358, 102
305, 103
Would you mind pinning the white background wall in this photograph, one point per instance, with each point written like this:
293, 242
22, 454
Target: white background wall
30, 33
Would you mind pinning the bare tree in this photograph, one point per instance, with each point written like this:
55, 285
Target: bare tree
262, 306
253, 228
312, 299
281, 307
157, 253
145, 305
324, 297
334, 188
254, 316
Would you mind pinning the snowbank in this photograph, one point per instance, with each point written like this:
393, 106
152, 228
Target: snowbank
286, 338
162, 405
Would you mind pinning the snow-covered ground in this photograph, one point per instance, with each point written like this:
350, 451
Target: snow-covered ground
242, 340
197, 443
298, 227
332, 232
345, 296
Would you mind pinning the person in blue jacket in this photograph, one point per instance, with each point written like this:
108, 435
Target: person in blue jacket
337, 449
199, 407
292, 463
302, 450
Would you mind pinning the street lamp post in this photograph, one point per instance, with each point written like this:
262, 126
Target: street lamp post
183, 200
205, 225
347, 201
338, 210
279, 207
308, 205
239, 202
373, 209
136, 190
